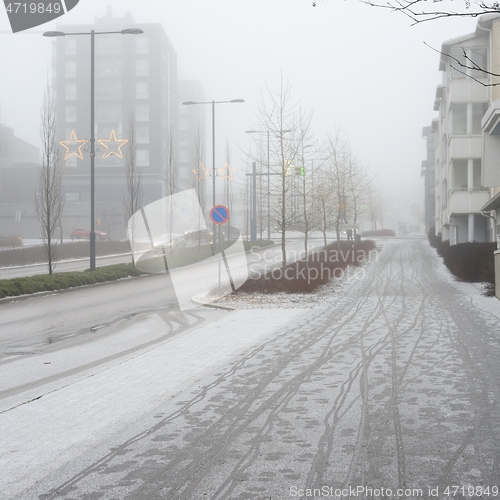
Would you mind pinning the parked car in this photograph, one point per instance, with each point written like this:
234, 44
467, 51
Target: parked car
196, 235
169, 241
84, 234
11, 241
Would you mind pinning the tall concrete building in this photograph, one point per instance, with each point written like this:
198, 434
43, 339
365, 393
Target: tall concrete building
19, 166
135, 98
191, 139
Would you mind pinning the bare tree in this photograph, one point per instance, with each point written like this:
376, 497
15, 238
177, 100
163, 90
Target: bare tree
338, 152
374, 207
358, 182
227, 175
48, 197
171, 171
170, 186
420, 11
323, 195
307, 203
288, 124
133, 199
200, 174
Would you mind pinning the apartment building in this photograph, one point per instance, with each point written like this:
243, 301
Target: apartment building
19, 166
463, 169
428, 174
135, 97
191, 137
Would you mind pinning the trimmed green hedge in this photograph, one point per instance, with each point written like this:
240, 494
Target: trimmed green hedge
62, 281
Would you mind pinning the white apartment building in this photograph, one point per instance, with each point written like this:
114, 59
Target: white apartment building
464, 165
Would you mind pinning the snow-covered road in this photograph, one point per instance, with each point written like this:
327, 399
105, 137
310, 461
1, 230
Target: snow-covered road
392, 383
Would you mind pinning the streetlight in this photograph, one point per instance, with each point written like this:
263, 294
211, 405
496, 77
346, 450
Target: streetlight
268, 176
213, 103
127, 31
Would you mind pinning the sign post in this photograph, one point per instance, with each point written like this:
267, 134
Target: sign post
219, 215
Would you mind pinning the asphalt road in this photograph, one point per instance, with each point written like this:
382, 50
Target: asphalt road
30, 324
61, 267
393, 384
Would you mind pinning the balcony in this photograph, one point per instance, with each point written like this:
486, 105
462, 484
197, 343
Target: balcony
467, 202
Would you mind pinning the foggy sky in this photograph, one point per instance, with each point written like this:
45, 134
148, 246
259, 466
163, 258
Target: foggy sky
359, 68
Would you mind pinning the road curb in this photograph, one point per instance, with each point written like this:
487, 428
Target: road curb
198, 302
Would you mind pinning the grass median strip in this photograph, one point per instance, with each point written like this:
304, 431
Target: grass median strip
61, 281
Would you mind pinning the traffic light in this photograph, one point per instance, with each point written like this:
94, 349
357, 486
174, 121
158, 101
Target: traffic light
300, 171
98, 221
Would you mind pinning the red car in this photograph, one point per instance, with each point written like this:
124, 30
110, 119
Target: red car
84, 234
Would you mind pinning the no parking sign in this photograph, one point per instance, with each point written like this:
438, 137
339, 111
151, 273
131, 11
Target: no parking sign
219, 214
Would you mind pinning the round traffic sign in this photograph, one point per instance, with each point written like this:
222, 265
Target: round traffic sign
219, 214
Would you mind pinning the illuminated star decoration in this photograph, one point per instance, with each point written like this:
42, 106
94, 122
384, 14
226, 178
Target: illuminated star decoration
112, 145
73, 146
201, 172
226, 172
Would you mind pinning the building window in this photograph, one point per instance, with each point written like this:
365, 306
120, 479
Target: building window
108, 67
109, 90
142, 112
478, 57
459, 174
141, 45
478, 111
183, 123
466, 117
70, 46
71, 113
459, 118
70, 91
142, 157
104, 130
72, 196
462, 63
142, 135
141, 90
476, 174
141, 67
109, 112
70, 69
108, 44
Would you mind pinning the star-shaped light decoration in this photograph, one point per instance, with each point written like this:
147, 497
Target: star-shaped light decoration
112, 145
226, 172
201, 172
73, 146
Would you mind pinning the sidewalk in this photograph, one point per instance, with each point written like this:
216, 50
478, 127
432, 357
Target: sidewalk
62, 423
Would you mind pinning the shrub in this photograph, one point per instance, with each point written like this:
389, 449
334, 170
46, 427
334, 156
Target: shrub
379, 232
61, 281
305, 276
434, 239
471, 262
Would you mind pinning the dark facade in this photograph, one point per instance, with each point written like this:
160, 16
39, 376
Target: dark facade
19, 164
191, 136
135, 90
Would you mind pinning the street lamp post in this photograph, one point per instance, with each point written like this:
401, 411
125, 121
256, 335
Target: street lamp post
213, 103
92, 33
